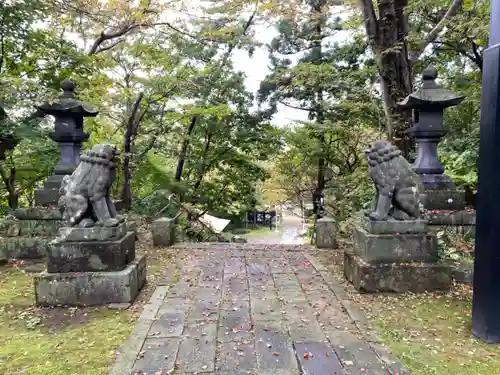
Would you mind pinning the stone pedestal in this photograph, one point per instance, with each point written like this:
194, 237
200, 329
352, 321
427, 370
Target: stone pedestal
326, 233
28, 233
91, 288
444, 199
48, 195
396, 247
395, 256
463, 221
395, 277
163, 231
91, 266
90, 256
445, 207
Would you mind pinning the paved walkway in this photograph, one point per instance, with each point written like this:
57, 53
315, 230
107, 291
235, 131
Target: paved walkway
285, 235
288, 232
235, 310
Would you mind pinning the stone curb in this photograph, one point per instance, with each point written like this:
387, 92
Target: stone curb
394, 366
125, 360
128, 352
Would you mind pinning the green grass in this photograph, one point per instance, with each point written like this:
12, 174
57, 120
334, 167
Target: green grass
429, 333
39, 341
57, 341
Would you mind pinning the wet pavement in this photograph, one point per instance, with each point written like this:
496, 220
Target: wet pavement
288, 232
251, 309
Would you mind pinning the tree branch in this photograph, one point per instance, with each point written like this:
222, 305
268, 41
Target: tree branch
478, 56
434, 33
110, 35
112, 45
295, 107
30, 184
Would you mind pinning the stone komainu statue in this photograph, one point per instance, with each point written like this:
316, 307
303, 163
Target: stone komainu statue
85, 194
399, 190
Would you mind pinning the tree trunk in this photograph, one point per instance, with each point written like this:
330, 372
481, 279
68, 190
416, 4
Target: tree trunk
387, 39
318, 194
128, 140
395, 70
184, 148
10, 186
387, 36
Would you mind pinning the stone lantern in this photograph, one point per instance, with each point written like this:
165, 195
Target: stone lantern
69, 113
428, 104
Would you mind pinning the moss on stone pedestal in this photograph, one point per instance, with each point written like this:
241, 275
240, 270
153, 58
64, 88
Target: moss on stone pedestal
26, 239
413, 277
91, 288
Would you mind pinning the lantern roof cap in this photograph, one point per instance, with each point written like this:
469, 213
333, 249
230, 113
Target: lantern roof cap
430, 94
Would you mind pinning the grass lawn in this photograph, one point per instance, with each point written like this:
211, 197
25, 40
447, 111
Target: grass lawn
430, 333
57, 341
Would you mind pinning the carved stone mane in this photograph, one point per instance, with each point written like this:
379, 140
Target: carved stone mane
380, 156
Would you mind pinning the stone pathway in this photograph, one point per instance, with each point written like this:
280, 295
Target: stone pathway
235, 310
284, 235
289, 232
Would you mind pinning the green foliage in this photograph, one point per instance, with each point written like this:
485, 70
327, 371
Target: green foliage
332, 83
178, 71
181, 73
459, 149
454, 244
158, 201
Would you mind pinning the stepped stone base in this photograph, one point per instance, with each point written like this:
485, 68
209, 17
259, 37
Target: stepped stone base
49, 194
456, 218
24, 247
396, 277
463, 272
91, 288
28, 233
89, 256
444, 199
397, 247
463, 221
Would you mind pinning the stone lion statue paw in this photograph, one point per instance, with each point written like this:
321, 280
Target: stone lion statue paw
120, 218
86, 223
376, 216
112, 222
